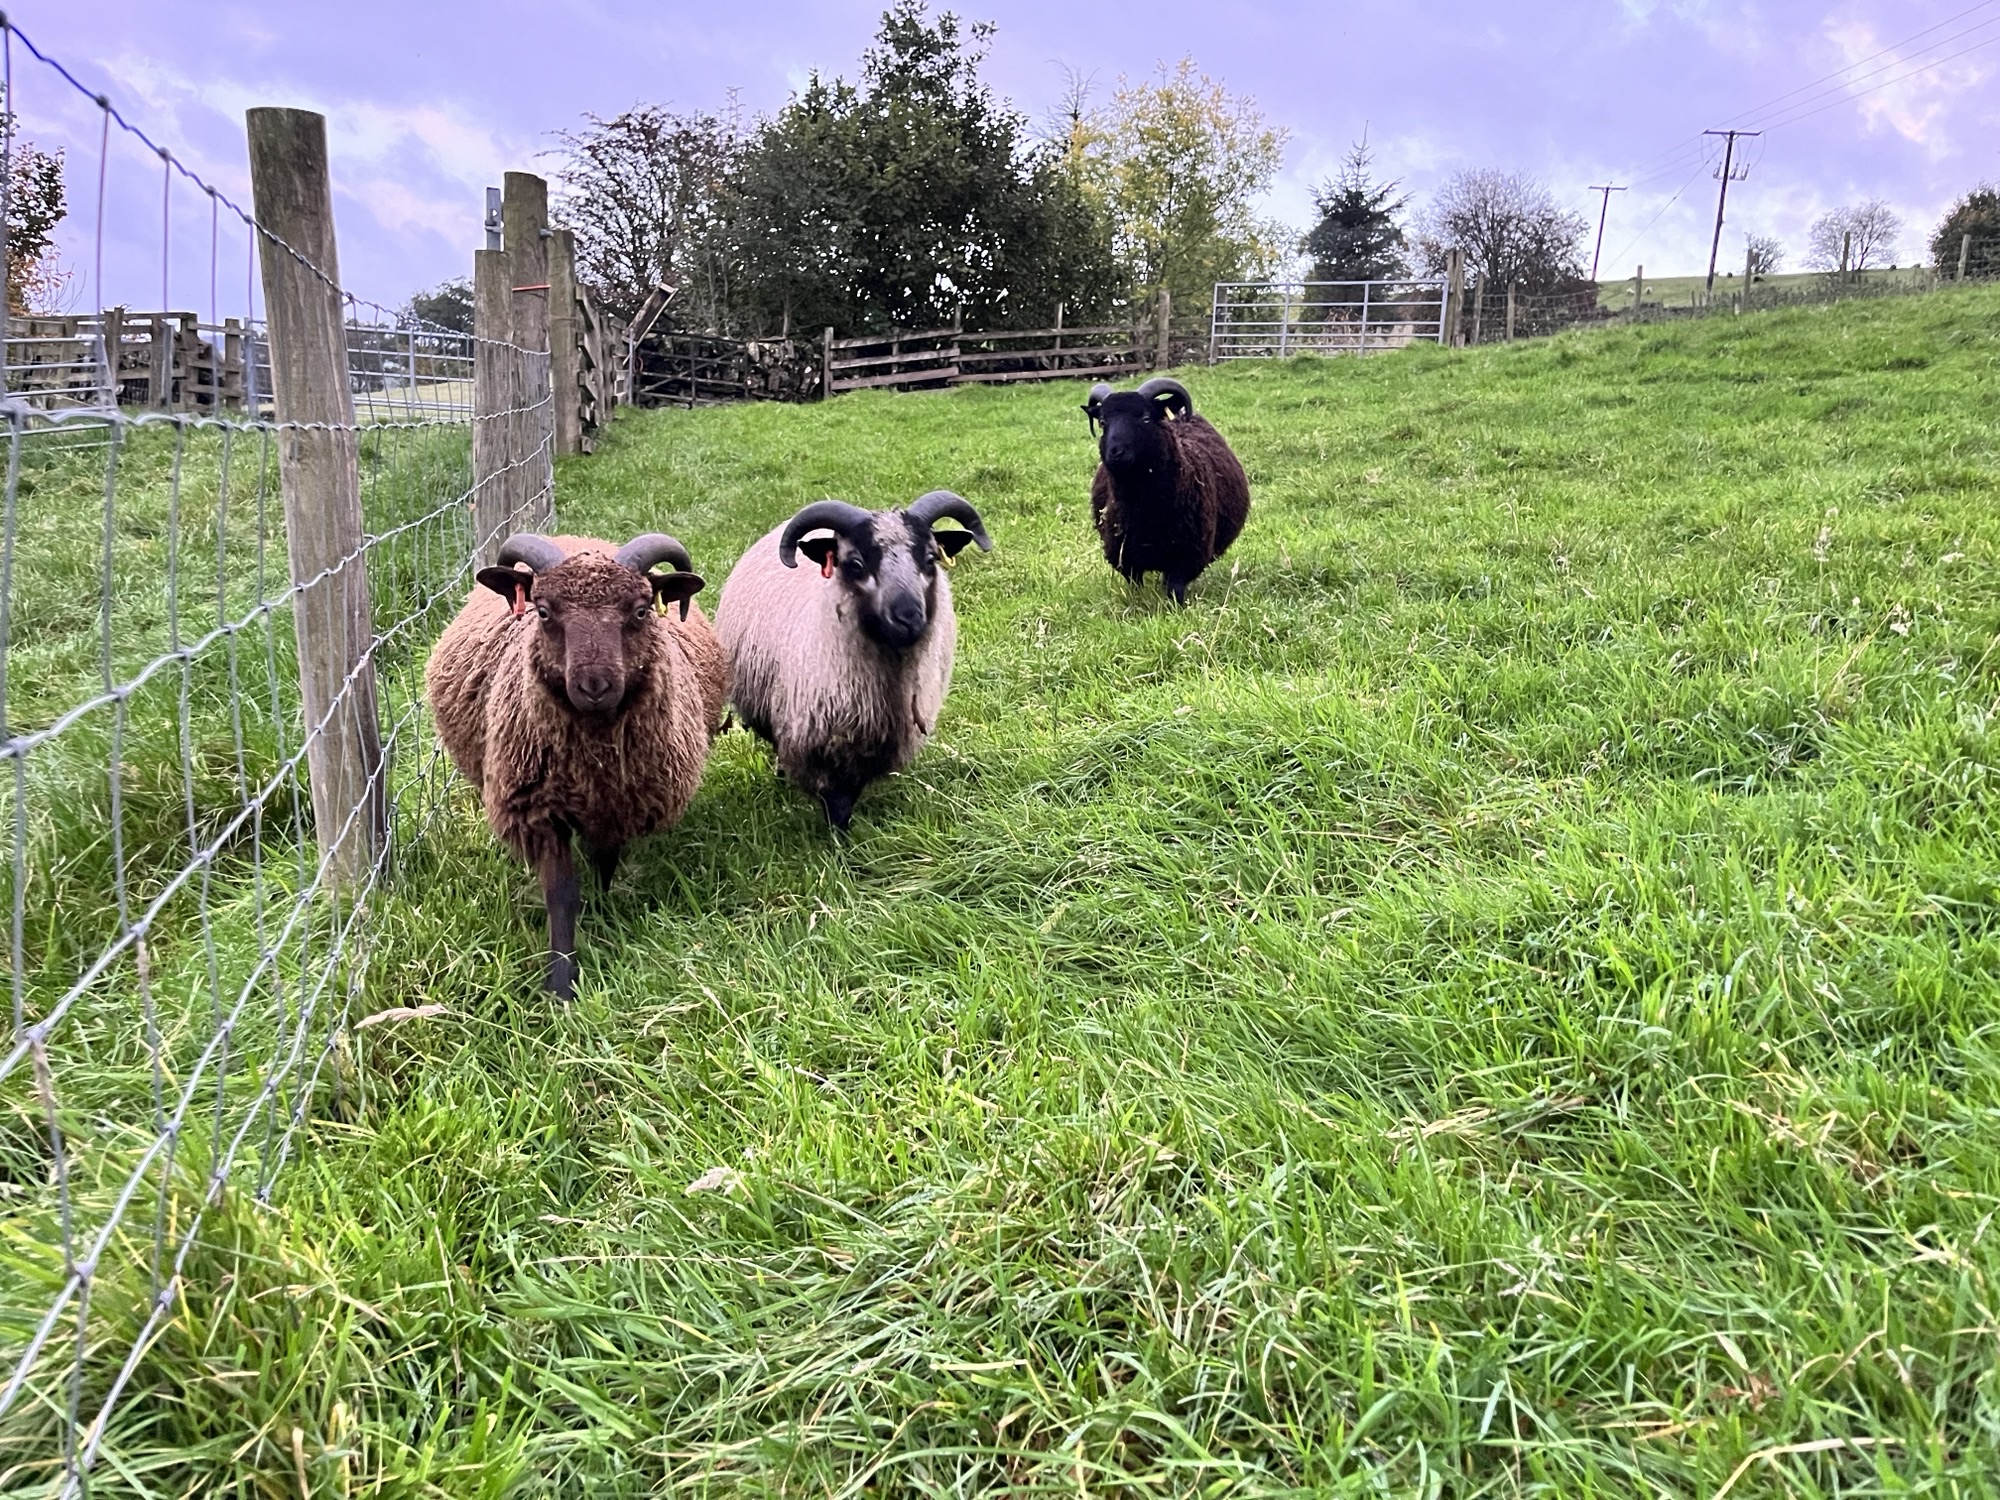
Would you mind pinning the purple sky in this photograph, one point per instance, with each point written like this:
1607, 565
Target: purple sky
427, 103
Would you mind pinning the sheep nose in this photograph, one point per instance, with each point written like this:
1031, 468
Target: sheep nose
593, 688
907, 615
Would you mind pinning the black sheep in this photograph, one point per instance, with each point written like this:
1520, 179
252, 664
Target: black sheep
1169, 496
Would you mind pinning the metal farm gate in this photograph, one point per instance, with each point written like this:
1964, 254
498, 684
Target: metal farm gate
1275, 319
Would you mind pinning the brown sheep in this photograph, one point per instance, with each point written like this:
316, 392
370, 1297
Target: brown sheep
843, 667
575, 708
1169, 496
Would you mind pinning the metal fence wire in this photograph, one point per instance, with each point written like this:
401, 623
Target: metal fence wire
183, 970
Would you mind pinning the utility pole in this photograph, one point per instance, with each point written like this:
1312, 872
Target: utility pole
1602, 213
1728, 169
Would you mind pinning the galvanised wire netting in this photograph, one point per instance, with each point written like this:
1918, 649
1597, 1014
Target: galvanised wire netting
183, 969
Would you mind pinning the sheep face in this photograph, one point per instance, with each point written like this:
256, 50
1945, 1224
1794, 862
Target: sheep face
1135, 439
594, 640
889, 571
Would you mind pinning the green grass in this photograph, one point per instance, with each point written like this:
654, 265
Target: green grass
1498, 997
1676, 291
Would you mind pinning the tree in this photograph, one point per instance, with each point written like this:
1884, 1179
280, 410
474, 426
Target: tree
447, 306
1510, 227
1764, 255
1870, 229
910, 196
1182, 162
646, 194
1976, 214
36, 204
1357, 237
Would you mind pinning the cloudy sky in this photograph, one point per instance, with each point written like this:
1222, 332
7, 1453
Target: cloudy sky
428, 103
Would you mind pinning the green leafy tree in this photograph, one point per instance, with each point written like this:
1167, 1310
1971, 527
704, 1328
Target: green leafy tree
911, 195
36, 204
447, 306
1357, 237
1976, 214
1183, 162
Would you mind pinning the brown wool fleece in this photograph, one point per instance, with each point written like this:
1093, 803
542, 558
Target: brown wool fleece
1179, 520
544, 770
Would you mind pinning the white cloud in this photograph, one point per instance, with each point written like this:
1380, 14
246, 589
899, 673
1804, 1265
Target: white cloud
1915, 105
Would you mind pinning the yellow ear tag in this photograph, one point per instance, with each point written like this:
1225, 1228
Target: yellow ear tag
947, 559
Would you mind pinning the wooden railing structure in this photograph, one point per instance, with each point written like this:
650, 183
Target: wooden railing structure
162, 361
935, 357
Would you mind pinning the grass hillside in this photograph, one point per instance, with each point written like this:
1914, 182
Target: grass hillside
1497, 997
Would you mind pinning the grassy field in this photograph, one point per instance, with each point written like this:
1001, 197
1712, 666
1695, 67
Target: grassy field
1498, 997
1675, 291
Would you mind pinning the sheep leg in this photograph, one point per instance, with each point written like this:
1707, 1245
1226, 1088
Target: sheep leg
559, 889
839, 807
604, 860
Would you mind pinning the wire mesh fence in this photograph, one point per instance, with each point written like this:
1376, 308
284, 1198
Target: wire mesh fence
186, 953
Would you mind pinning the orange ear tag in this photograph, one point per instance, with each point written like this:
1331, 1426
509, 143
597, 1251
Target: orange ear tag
826, 568
520, 601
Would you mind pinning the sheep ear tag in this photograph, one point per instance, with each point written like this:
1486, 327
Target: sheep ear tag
510, 584
826, 567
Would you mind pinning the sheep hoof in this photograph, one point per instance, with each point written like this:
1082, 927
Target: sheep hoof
562, 977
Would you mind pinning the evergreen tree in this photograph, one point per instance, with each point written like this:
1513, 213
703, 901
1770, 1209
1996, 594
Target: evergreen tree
1357, 237
915, 194
1976, 214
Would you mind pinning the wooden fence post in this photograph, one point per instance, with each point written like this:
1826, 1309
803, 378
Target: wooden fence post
1512, 286
1454, 296
563, 361
1846, 251
826, 365
524, 215
319, 471
1478, 325
492, 398
1964, 255
160, 363
1163, 331
1638, 291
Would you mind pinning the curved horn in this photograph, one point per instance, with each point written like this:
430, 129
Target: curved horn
643, 552
1161, 385
939, 505
834, 515
529, 547
1097, 394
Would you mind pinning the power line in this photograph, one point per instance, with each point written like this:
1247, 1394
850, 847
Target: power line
1728, 159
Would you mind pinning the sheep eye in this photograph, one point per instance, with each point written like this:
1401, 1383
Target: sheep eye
541, 611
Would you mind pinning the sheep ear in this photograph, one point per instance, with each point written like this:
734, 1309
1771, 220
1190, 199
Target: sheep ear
510, 583
819, 548
676, 588
951, 543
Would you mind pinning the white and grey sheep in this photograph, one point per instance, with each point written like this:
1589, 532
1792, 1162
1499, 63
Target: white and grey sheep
845, 672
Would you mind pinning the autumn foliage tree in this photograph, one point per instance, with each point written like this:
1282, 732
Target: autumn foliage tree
1182, 162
